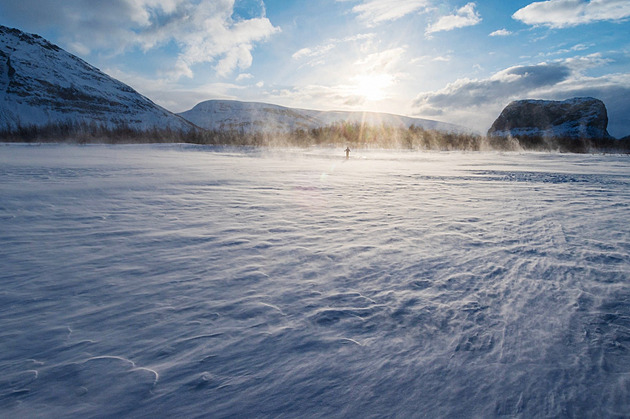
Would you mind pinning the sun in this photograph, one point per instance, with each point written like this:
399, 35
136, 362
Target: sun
373, 87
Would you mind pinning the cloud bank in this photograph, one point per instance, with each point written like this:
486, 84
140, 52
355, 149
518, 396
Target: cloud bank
565, 13
477, 102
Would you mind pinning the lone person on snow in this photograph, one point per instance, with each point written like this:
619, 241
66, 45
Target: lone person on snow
347, 153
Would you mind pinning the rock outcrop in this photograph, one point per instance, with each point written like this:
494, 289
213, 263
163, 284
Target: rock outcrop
573, 119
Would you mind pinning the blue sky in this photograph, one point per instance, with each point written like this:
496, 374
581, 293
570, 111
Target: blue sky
454, 61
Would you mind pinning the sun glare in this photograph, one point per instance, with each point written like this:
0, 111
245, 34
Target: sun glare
373, 87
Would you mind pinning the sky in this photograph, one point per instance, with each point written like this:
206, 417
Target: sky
454, 61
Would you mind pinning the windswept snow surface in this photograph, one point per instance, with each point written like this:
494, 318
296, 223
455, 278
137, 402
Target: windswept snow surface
181, 281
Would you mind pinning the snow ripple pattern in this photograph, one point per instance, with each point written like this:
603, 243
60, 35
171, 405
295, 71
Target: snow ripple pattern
184, 281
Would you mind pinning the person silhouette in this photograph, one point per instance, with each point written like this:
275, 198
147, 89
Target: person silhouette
347, 153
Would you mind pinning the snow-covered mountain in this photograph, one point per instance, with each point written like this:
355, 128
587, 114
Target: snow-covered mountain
255, 116
41, 84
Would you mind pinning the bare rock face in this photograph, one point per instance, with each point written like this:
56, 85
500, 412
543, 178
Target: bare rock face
577, 119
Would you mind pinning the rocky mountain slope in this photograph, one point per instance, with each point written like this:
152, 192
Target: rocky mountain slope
577, 118
42, 84
255, 116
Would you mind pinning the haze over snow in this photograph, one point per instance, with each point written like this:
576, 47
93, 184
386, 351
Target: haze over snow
456, 61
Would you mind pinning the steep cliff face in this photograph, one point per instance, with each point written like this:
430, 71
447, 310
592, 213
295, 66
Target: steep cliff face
577, 118
41, 84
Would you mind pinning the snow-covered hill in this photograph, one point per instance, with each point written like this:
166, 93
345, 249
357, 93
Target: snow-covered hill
255, 116
41, 83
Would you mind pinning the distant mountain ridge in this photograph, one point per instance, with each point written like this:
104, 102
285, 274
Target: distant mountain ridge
42, 84
256, 116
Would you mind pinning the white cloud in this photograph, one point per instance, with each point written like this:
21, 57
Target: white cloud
465, 16
176, 71
208, 34
381, 62
315, 55
501, 32
304, 52
338, 96
203, 30
430, 58
239, 56
174, 96
244, 76
373, 12
78, 48
315, 52
578, 47
565, 13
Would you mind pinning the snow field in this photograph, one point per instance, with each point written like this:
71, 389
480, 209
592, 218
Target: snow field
191, 281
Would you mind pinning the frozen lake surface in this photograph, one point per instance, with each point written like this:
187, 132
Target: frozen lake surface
182, 281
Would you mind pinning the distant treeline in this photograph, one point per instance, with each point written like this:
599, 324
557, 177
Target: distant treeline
350, 134
338, 134
86, 133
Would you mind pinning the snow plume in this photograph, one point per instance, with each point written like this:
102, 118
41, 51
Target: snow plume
565, 13
204, 31
465, 16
